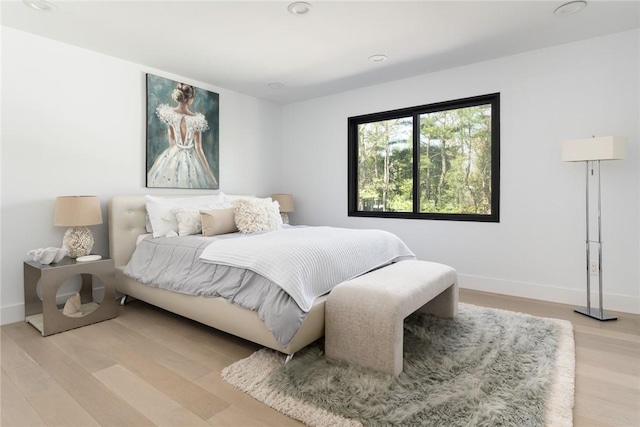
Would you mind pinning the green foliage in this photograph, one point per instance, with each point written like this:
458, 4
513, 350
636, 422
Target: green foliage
454, 163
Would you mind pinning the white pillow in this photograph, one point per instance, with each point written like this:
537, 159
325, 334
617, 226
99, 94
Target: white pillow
231, 198
254, 215
162, 211
188, 221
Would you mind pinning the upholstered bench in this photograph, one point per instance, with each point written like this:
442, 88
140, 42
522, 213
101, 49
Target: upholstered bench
364, 316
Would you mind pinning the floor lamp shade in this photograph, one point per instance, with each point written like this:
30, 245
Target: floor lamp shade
77, 212
592, 151
602, 148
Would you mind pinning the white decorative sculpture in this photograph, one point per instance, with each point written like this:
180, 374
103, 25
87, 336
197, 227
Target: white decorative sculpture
72, 306
48, 255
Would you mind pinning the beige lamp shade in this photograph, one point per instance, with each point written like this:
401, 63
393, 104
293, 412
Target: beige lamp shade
285, 201
602, 148
77, 211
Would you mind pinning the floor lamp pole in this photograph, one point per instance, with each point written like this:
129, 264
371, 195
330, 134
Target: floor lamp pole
588, 310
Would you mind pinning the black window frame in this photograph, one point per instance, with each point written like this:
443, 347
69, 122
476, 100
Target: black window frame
415, 112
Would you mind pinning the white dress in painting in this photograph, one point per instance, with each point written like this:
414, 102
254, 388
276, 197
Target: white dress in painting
180, 166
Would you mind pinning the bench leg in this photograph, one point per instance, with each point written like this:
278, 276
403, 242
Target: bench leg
363, 335
444, 305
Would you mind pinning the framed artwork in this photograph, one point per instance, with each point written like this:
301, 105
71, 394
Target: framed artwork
183, 131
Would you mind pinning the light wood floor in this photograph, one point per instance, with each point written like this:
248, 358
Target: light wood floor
149, 367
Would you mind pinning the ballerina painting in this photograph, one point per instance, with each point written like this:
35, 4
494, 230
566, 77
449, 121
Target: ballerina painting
182, 135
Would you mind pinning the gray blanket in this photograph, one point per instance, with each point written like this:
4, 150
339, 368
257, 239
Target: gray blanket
173, 264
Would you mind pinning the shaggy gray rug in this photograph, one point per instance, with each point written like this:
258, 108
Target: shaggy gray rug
486, 367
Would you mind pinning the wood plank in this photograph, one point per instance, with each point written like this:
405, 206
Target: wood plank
52, 403
91, 394
233, 417
607, 344
16, 411
627, 394
58, 408
182, 391
147, 359
155, 405
254, 409
583, 421
622, 364
599, 373
114, 336
200, 343
622, 338
606, 412
82, 346
25, 372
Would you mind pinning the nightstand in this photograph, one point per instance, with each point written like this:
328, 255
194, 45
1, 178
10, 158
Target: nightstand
45, 315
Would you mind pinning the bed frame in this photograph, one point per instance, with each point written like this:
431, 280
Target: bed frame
127, 222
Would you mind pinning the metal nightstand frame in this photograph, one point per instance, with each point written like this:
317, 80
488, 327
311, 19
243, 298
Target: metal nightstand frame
45, 315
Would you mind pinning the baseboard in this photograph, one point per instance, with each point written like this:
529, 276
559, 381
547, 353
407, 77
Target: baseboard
15, 313
613, 302
11, 314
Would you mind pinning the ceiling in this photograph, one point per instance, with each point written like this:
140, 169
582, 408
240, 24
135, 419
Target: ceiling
245, 45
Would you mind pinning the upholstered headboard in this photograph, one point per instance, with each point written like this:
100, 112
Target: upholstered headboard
126, 222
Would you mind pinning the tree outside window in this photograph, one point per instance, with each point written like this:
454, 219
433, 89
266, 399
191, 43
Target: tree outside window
437, 161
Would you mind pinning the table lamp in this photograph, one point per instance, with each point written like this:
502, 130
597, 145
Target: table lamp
77, 212
286, 205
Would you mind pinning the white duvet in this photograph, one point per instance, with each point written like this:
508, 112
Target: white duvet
308, 262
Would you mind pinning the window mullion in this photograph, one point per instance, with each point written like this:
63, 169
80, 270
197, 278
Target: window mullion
416, 163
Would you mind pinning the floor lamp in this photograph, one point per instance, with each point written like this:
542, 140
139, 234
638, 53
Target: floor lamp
592, 151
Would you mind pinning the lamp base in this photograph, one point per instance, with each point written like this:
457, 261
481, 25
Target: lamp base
595, 314
78, 241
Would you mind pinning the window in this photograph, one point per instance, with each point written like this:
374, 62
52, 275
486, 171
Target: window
437, 161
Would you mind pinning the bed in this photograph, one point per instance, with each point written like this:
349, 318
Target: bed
128, 222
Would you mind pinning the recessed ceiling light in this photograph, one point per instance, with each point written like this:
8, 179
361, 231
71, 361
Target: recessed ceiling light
571, 7
275, 85
41, 5
299, 8
378, 58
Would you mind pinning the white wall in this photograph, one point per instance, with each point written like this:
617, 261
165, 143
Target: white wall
547, 96
73, 123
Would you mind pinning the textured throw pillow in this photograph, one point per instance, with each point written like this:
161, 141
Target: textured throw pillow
162, 211
218, 221
254, 215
